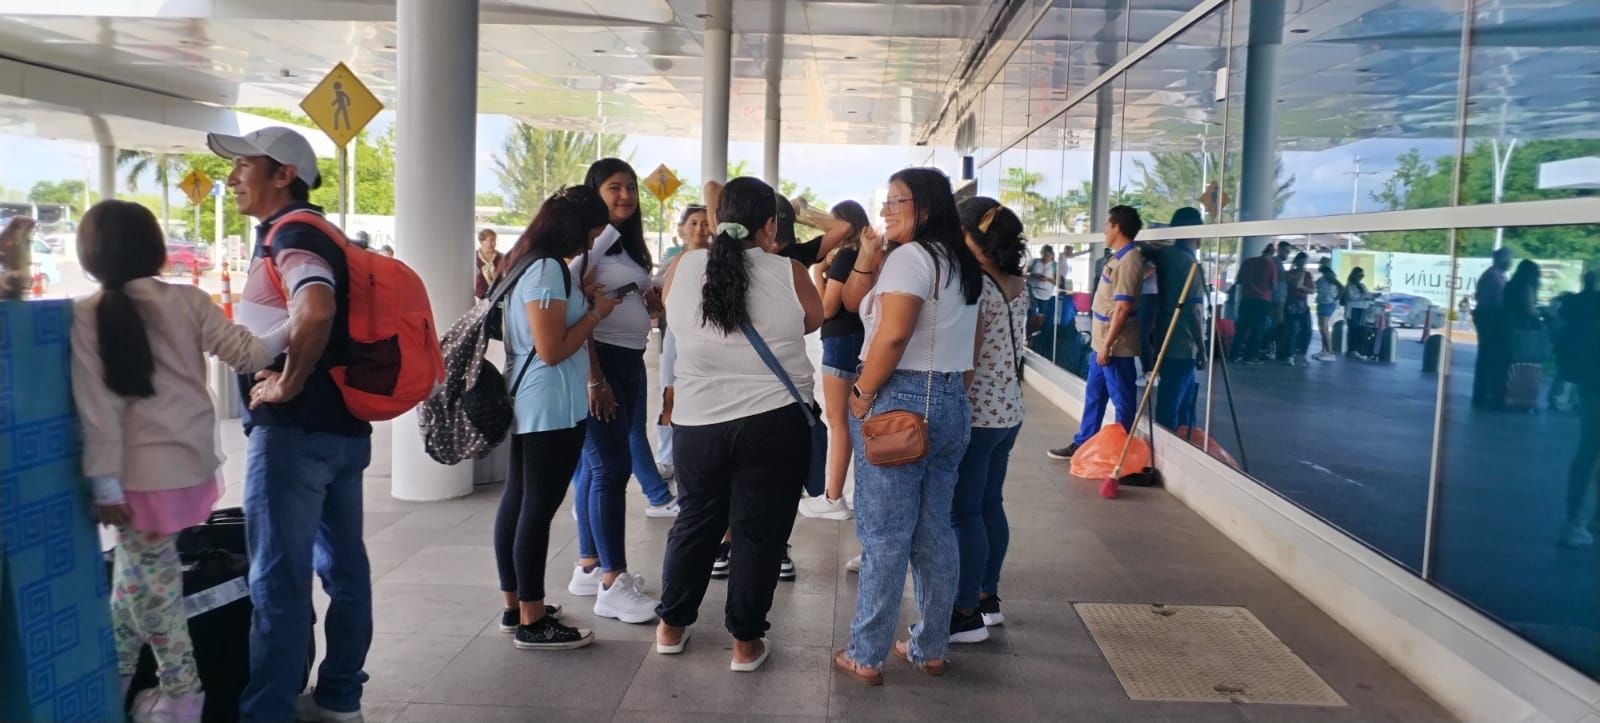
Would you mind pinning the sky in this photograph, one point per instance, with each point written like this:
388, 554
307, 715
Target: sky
835, 172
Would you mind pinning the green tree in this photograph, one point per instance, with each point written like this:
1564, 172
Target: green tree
163, 166
534, 163
374, 167
1176, 179
1423, 183
69, 192
490, 200
1018, 191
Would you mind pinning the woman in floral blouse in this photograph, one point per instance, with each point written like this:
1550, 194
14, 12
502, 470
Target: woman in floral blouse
994, 233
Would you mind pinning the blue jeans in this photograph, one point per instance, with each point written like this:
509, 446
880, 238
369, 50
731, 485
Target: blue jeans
302, 506
1113, 382
978, 513
1174, 407
903, 516
644, 460
608, 461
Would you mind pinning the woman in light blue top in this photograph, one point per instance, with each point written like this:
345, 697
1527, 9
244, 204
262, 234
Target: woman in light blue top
548, 322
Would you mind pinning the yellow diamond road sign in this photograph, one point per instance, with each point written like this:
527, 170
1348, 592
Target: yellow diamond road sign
341, 105
197, 185
662, 183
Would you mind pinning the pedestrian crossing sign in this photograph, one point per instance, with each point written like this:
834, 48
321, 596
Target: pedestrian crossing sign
197, 186
662, 182
341, 105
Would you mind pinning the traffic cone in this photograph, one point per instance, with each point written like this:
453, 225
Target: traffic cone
227, 294
38, 286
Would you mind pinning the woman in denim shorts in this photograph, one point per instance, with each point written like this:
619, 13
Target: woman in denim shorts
841, 356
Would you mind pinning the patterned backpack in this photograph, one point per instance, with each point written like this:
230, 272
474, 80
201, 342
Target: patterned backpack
474, 410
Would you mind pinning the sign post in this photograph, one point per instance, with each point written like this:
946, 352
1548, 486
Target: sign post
341, 105
662, 183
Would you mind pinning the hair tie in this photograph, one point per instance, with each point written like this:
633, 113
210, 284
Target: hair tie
734, 230
988, 219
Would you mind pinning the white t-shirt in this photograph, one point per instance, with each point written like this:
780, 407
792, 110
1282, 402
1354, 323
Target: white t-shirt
629, 325
909, 270
1042, 290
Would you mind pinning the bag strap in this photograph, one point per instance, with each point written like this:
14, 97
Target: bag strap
1011, 325
933, 339
765, 352
310, 218
566, 282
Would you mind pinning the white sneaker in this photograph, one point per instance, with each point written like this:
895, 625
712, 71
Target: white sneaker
669, 509
1142, 380
822, 508
625, 601
308, 710
1577, 536
854, 564
584, 584
1323, 356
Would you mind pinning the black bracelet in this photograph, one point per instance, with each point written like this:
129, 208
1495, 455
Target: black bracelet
859, 271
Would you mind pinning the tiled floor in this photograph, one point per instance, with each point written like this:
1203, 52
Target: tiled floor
437, 657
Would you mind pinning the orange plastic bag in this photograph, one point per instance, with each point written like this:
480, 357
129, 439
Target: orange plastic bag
1097, 458
1199, 438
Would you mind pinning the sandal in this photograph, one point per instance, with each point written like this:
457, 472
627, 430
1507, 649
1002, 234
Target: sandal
868, 675
902, 649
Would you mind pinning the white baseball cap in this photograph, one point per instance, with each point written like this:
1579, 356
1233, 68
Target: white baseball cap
276, 142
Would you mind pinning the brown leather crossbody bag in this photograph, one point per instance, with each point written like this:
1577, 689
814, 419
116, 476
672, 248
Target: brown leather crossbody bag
900, 437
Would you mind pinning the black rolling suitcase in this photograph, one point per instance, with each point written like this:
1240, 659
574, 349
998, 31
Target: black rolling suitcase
217, 598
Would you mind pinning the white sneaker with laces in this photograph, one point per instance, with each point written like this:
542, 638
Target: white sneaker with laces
854, 564
822, 508
625, 600
308, 710
584, 584
667, 510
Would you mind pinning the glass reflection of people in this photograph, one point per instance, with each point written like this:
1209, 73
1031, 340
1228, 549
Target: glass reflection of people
1488, 318
1177, 390
1358, 341
1255, 283
1579, 351
1295, 340
487, 264
1042, 275
1328, 291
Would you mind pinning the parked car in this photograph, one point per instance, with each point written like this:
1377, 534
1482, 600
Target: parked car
1410, 311
183, 259
44, 262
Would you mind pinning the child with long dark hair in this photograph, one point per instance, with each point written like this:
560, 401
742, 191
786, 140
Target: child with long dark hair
149, 431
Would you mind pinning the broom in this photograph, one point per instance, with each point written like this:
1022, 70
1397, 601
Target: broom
1108, 490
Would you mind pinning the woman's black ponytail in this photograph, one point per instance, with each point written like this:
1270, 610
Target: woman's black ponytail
750, 203
119, 242
997, 231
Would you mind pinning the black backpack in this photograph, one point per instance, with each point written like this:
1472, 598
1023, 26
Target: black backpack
473, 412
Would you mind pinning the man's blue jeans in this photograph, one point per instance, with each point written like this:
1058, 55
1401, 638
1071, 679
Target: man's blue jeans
1113, 382
1174, 392
608, 461
303, 514
978, 513
903, 516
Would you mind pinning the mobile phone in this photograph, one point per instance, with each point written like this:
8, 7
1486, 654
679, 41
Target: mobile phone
628, 290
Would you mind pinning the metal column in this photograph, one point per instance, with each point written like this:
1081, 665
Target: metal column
774, 72
108, 172
1258, 167
714, 118
1105, 117
436, 124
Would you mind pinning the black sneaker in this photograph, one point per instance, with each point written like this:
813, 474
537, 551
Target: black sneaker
719, 569
989, 607
510, 619
786, 567
547, 634
967, 627
1064, 452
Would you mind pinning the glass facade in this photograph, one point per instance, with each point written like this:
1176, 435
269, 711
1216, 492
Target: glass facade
1443, 411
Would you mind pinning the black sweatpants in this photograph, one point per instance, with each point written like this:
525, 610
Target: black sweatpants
745, 476
542, 464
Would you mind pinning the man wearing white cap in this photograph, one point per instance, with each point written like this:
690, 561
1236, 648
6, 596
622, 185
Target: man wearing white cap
307, 453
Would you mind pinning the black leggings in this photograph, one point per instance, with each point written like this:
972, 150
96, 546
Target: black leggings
542, 464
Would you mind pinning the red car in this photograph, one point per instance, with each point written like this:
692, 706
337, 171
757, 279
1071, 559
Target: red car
183, 259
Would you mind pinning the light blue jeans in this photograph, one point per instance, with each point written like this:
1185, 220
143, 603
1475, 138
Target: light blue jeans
903, 516
303, 514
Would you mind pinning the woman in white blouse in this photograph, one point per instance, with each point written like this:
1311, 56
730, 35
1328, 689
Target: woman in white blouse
742, 438
921, 316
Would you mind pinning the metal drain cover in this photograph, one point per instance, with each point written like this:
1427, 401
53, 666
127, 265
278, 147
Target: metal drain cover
1201, 654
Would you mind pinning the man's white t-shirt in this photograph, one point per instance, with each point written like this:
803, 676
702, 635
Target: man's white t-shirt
909, 270
1042, 290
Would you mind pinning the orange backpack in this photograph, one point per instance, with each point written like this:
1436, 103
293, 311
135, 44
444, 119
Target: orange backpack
395, 361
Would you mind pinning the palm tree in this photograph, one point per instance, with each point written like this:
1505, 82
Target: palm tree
162, 165
535, 163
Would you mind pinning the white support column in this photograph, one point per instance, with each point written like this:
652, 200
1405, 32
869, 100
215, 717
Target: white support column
1258, 165
774, 117
108, 172
719, 66
436, 127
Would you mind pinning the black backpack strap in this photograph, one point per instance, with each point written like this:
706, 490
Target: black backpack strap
566, 282
1011, 324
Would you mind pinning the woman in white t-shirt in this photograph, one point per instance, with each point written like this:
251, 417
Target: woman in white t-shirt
921, 316
742, 439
